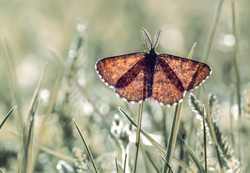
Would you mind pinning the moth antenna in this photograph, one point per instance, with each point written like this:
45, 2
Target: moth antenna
147, 43
156, 38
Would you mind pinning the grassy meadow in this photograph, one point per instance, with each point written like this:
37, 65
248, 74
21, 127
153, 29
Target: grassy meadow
57, 115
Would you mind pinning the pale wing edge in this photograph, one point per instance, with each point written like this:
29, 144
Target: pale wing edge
173, 104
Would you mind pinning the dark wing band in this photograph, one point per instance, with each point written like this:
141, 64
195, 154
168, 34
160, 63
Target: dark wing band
191, 73
125, 74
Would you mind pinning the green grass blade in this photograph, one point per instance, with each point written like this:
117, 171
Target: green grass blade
152, 162
211, 127
48, 113
205, 137
56, 154
237, 74
116, 166
13, 84
86, 146
172, 137
191, 153
244, 168
125, 163
211, 37
164, 131
145, 158
29, 127
35, 95
7, 116
212, 31
170, 168
231, 117
191, 53
137, 137
52, 100
209, 118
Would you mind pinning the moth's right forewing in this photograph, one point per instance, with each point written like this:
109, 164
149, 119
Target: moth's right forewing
191, 73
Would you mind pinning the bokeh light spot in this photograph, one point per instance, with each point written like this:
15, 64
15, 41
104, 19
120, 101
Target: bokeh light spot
44, 95
27, 73
171, 39
229, 40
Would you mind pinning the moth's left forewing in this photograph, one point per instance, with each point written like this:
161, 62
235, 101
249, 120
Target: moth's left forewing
111, 69
125, 75
190, 72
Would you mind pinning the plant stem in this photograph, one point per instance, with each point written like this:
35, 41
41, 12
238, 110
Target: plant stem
205, 137
164, 126
237, 73
212, 31
137, 137
231, 117
172, 137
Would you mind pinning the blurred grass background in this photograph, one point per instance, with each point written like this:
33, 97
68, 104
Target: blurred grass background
112, 27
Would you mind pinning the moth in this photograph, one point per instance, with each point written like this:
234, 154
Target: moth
165, 78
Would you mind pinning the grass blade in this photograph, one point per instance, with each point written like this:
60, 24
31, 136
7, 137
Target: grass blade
56, 154
52, 100
152, 162
116, 166
125, 163
137, 137
205, 137
237, 74
172, 137
164, 131
231, 116
191, 53
211, 127
86, 146
144, 156
48, 112
212, 31
35, 95
191, 153
7, 116
209, 118
170, 168
211, 37
13, 84
28, 129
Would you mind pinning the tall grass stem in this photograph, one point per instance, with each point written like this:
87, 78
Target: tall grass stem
13, 83
7, 116
205, 137
212, 31
237, 74
137, 137
172, 137
86, 146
